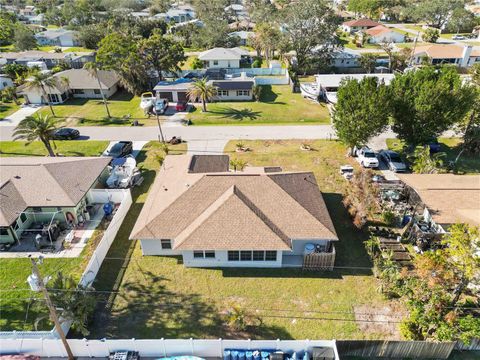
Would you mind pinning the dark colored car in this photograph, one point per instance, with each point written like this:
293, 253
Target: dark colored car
161, 106
393, 161
120, 149
66, 134
435, 146
181, 106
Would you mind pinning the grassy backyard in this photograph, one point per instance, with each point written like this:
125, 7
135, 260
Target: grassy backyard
451, 148
158, 296
278, 105
7, 109
16, 300
66, 148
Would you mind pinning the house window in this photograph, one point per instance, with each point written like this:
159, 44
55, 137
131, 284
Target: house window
233, 256
166, 244
215, 62
222, 92
243, 92
258, 255
210, 254
245, 255
78, 91
96, 91
23, 217
270, 255
4, 231
201, 254
198, 254
53, 98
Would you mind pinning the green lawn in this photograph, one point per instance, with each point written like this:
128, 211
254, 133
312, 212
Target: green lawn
278, 105
15, 306
451, 147
347, 42
64, 147
7, 109
92, 112
158, 296
187, 65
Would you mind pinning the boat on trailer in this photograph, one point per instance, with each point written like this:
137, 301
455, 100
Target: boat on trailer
146, 101
311, 91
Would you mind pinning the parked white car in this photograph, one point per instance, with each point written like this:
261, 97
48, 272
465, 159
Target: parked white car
367, 158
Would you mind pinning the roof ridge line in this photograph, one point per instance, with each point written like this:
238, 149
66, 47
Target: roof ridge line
209, 211
266, 220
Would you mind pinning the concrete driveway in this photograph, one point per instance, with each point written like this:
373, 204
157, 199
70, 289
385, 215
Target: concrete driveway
19, 115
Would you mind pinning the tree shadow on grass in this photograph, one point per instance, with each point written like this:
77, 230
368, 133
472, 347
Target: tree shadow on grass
151, 310
236, 114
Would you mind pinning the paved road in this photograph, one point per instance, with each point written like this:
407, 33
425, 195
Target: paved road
208, 139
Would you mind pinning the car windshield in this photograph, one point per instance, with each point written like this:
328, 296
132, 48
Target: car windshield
116, 148
369, 154
395, 158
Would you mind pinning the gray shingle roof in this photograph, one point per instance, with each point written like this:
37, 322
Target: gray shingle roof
223, 54
45, 181
82, 79
233, 85
209, 163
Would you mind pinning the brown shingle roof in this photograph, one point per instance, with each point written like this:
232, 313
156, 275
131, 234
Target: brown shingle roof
46, 181
450, 198
378, 30
361, 22
441, 51
233, 210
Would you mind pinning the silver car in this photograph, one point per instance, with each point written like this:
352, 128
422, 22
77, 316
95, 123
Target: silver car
393, 161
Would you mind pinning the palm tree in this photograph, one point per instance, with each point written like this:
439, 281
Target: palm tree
65, 81
40, 127
41, 81
92, 68
202, 90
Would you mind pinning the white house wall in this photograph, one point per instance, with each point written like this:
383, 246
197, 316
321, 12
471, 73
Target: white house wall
90, 93
392, 36
298, 246
221, 260
154, 247
232, 95
234, 63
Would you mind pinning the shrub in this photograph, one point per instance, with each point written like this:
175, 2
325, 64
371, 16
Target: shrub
388, 218
257, 63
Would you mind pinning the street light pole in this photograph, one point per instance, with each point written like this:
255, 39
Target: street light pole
51, 308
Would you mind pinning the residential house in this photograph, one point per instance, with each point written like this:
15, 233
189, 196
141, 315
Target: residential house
75, 60
38, 190
177, 15
237, 11
243, 35
81, 84
462, 56
223, 57
58, 37
383, 34
239, 89
345, 59
243, 24
353, 26
445, 198
5, 81
261, 217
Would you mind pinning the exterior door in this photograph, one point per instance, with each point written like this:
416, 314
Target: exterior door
166, 95
182, 96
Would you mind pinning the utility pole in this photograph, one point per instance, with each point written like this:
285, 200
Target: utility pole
160, 129
51, 308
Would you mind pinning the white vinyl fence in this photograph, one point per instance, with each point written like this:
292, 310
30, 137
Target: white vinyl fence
156, 347
122, 196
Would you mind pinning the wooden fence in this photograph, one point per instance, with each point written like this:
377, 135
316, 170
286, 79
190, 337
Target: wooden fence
395, 349
320, 260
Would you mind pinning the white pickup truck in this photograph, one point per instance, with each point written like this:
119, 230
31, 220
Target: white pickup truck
367, 158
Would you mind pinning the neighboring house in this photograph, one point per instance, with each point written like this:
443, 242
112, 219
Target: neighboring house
345, 59
5, 81
211, 217
239, 89
446, 198
353, 26
177, 15
234, 89
462, 56
223, 57
81, 84
58, 37
51, 59
383, 34
243, 24
38, 190
174, 91
238, 11
243, 35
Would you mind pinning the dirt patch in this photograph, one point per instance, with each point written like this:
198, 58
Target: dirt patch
380, 320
